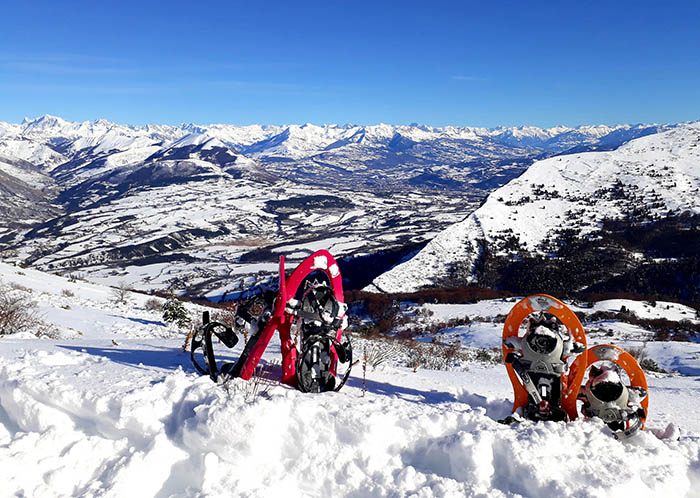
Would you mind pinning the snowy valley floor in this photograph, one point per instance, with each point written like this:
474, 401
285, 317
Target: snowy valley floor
114, 408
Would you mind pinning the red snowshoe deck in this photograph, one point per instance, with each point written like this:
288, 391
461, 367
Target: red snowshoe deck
281, 321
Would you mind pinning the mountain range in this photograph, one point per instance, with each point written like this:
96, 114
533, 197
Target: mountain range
209, 208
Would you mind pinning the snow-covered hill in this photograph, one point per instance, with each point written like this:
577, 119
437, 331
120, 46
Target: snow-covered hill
647, 179
26, 194
113, 407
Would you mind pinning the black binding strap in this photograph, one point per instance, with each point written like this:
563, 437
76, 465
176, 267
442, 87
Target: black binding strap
202, 338
323, 345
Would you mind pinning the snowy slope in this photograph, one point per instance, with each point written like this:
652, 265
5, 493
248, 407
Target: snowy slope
659, 173
114, 408
32, 152
26, 195
25, 171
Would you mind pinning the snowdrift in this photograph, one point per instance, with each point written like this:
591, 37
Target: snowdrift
117, 410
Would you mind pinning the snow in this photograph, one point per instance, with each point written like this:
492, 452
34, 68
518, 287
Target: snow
608, 375
203, 139
31, 177
113, 407
659, 168
661, 309
294, 141
32, 152
118, 410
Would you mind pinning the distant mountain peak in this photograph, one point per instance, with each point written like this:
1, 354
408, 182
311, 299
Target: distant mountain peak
45, 121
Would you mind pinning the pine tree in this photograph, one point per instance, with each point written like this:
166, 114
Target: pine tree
174, 312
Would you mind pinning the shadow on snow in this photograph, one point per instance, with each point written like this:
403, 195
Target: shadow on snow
167, 358
402, 392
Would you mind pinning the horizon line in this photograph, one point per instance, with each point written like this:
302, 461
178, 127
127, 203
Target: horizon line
182, 124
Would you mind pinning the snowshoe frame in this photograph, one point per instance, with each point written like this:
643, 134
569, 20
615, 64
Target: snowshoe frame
570, 383
623, 359
280, 320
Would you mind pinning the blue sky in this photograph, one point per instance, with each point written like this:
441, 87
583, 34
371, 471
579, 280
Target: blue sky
433, 62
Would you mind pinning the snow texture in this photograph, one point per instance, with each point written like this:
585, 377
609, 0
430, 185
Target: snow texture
608, 375
114, 408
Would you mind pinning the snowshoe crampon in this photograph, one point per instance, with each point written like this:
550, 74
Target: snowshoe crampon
315, 364
318, 318
311, 302
606, 395
545, 384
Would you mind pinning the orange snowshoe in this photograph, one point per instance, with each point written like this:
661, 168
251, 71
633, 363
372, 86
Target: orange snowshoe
545, 384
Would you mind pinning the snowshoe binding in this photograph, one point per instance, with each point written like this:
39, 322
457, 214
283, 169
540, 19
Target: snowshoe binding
317, 313
623, 408
537, 361
202, 339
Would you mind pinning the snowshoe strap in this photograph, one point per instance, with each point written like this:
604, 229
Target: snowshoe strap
306, 363
634, 427
313, 365
197, 341
209, 358
203, 339
525, 378
344, 352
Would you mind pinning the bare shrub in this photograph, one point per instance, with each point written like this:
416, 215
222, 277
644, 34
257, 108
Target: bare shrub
196, 321
121, 292
649, 365
154, 304
67, 293
645, 361
432, 356
493, 356
188, 339
434, 327
259, 385
414, 359
423, 311
378, 352
443, 356
416, 356
639, 353
227, 315
490, 319
20, 287
18, 313
48, 330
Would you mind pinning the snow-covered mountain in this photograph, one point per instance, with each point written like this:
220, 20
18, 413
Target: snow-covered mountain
217, 202
645, 181
50, 140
